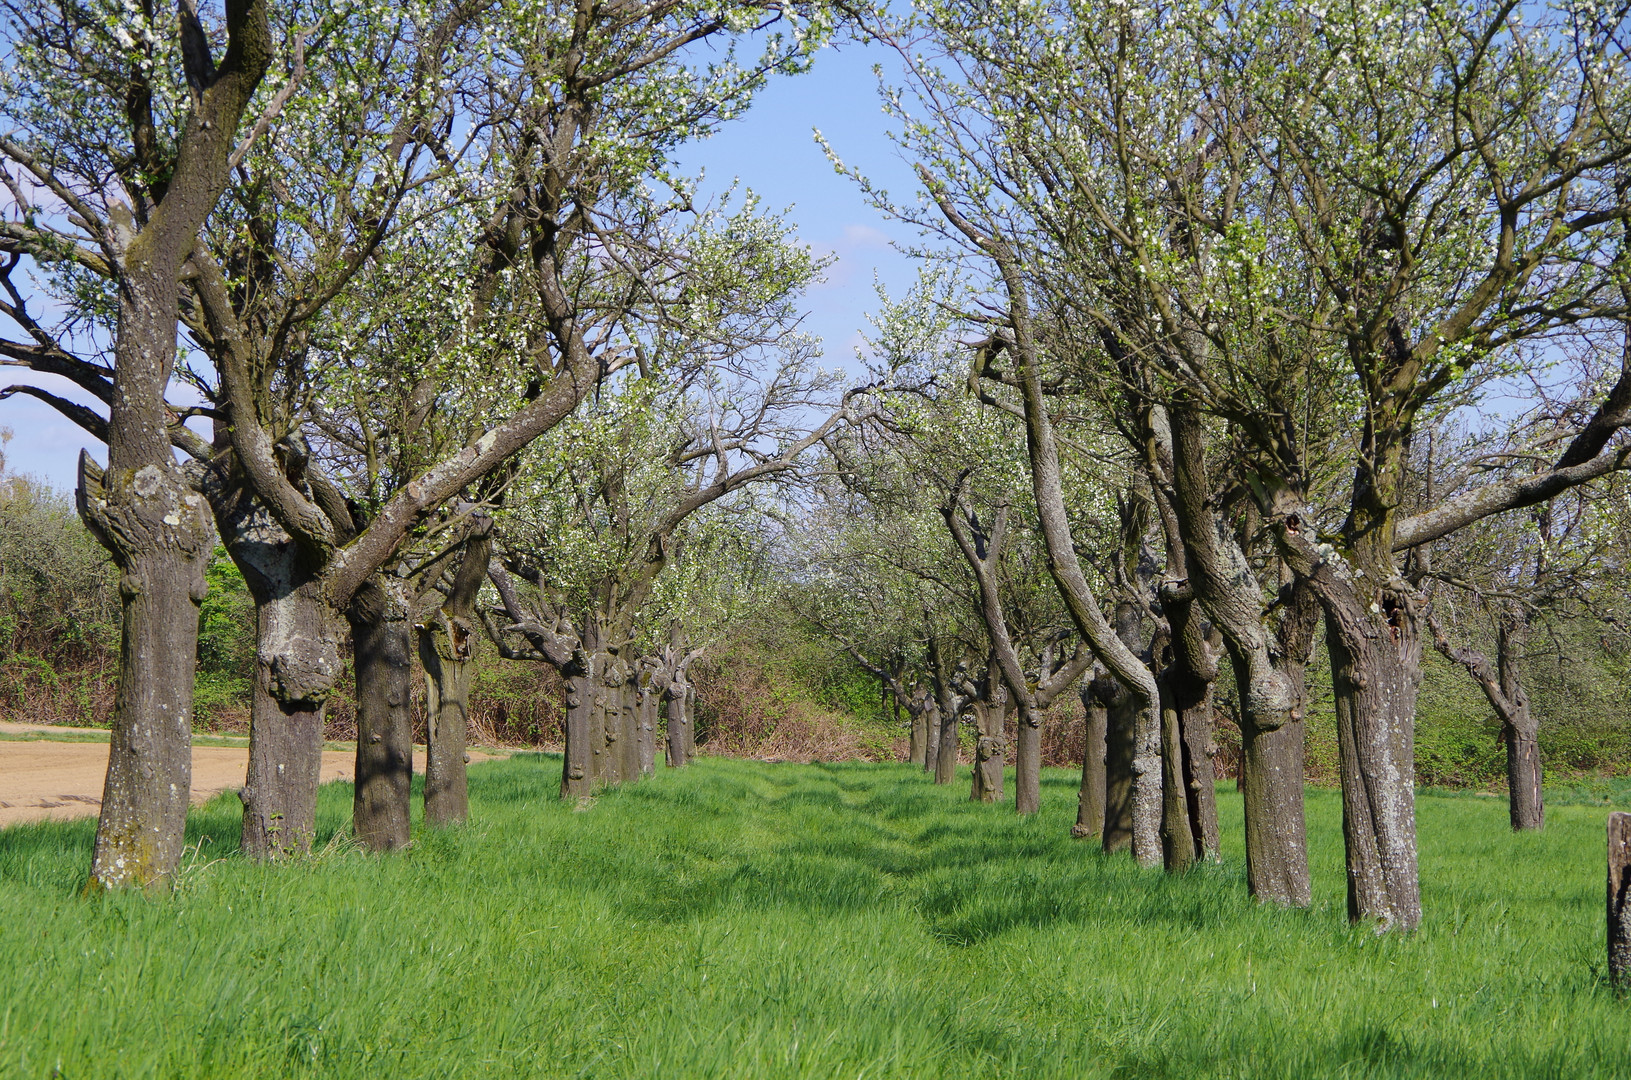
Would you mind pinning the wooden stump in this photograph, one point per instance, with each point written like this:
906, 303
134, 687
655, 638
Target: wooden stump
1619, 899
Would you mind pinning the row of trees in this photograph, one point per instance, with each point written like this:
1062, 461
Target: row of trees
396, 247
1209, 296
1236, 277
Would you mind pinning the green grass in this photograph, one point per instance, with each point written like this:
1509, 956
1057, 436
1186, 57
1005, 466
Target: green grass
750, 920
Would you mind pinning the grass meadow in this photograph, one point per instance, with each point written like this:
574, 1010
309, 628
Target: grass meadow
741, 919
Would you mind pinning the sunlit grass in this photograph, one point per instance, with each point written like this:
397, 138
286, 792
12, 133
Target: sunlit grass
744, 920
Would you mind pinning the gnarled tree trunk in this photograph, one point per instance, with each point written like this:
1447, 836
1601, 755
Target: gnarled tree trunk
1090, 800
446, 644
1121, 722
142, 509
381, 634
582, 703
1270, 680
1375, 670
647, 718
159, 535
931, 734
297, 658
991, 743
918, 749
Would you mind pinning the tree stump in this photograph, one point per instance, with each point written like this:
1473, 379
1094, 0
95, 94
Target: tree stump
1619, 910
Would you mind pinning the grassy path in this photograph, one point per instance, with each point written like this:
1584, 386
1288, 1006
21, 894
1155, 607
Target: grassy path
750, 920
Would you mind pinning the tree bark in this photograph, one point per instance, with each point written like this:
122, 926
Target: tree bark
159, 536
381, 635
1179, 849
296, 657
1269, 675
931, 734
582, 702
446, 645
945, 761
918, 750
1121, 722
1375, 670
1090, 801
1028, 761
646, 720
1619, 900
679, 727
1201, 775
991, 744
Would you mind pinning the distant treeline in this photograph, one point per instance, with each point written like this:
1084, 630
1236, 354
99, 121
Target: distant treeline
776, 690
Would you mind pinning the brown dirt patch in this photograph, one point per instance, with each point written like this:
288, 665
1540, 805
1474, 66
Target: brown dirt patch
41, 779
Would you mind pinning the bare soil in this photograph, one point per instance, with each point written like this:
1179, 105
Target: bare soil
42, 778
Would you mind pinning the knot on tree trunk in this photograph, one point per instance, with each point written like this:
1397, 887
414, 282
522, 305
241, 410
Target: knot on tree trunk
150, 509
303, 671
1269, 701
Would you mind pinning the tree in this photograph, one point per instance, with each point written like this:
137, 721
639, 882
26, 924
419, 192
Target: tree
123, 132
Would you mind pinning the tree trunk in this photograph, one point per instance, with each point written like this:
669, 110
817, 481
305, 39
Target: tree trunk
446, 644
1028, 762
296, 661
679, 727
1619, 900
447, 703
142, 509
159, 536
945, 762
918, 753
1269, 675
1090, 801
1201, 775
381, 636
1375, 669
647, 720
1523, 769
1121, 720
1178, 832
628, 766
606, 720
946, 697
582, 702
1502, 685
931, 735
991, 747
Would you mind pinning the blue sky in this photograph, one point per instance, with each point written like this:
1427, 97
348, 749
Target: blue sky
771, 150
